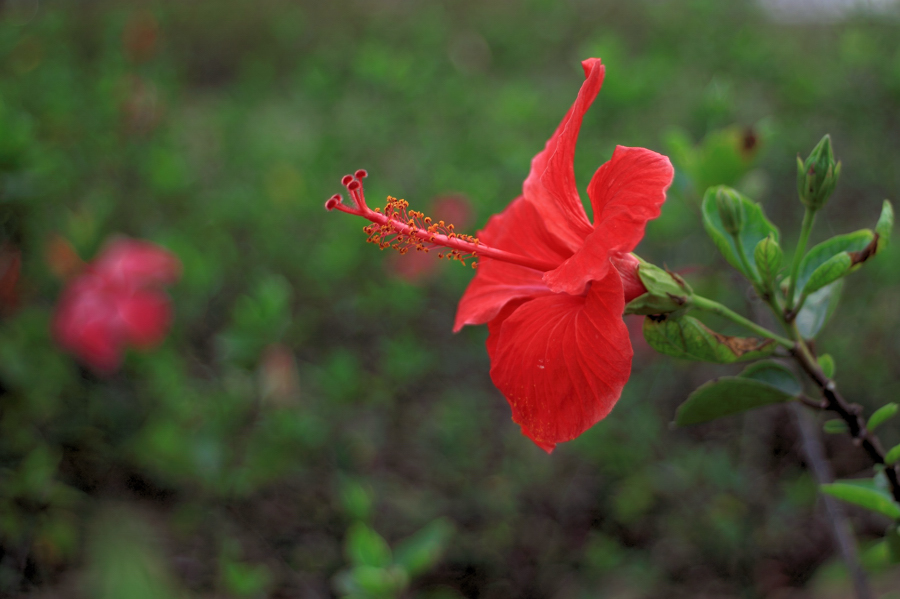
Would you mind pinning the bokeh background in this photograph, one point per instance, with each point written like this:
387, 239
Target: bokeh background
311, 427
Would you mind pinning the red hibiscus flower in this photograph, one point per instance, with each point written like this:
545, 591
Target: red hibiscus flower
116, 303
551, 286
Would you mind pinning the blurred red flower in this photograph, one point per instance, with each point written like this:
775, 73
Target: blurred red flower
559, 348
115, 303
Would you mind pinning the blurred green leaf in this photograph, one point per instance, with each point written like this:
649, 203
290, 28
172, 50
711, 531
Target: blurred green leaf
420, 551
34, 477
258, 320
835, 426
356, 499
818, 308
688, 338
380, 582
892, 538
723, 157
124, 559
826, 363
756, 227
885, 225
892, 455
881, 415
245, 580
365, 547
864, 493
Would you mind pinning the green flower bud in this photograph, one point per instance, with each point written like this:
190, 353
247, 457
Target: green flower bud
817, 177
731, 210
768, 256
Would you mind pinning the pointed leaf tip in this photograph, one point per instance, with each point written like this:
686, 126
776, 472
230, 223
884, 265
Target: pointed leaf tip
864, 493
881, 415
826, 363
885, 225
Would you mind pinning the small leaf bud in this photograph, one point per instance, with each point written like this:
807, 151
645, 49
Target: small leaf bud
731, 210
818, 175
768, 256
885, 225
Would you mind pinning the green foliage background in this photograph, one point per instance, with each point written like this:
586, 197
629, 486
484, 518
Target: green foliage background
216, 467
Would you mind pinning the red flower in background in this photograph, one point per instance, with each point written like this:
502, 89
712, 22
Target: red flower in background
551, 286
559, 349
115, 303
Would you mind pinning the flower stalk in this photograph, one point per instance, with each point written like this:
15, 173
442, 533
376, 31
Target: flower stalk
708, 305
809, 217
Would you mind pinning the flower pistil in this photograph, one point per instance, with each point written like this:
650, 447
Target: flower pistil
396, 227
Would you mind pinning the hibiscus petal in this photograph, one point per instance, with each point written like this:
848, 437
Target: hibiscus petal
520, 230
625, 193
550, 185
145, 317
562, 361
626, 265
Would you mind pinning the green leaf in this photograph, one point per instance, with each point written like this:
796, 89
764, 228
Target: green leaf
419, 552
828, 272
365, 547
726, 396
755, 228
826, 363
378, 582
356, 499
124, 558
893, 455
245, 579
885, 225
768, 257
759, 384
825, 251
724, 155
774, 374
688, 338
882, 414
864, 493
818, 308
892, 539
835, 426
